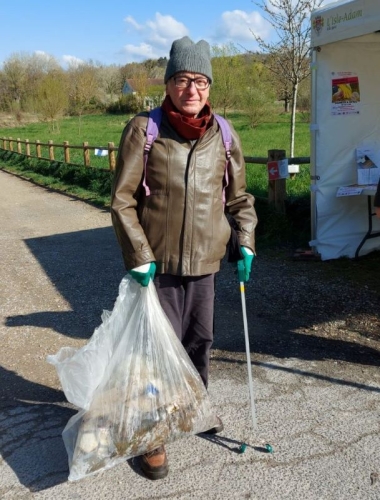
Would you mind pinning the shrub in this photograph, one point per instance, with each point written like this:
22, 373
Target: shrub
124, 105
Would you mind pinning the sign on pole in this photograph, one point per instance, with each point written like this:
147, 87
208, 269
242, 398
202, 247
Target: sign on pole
278, 169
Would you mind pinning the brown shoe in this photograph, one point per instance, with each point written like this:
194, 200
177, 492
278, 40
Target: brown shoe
155, 464
215, 430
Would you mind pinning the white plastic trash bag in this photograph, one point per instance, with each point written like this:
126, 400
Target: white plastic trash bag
135, 384
80, 371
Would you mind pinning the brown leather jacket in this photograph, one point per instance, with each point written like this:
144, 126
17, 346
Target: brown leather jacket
181, 225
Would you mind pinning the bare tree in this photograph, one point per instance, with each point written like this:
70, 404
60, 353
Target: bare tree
52, 97
83, 87
140, 84
129, 70
15, 77
258, 95
154, 69
288, 56
21, 75
283, 89
110, 82
3, 92
37, 65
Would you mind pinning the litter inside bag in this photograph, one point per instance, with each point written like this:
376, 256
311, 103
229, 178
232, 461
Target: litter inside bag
135, 383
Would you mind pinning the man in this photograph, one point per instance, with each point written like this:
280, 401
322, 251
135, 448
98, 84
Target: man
176, 232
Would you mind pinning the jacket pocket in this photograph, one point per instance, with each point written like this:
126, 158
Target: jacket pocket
153, 222
221, 231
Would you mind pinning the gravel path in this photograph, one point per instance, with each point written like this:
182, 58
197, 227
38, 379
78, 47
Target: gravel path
309, 334
61, 266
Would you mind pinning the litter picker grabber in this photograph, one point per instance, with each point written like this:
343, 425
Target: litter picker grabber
236, 255
248, 353
243, 446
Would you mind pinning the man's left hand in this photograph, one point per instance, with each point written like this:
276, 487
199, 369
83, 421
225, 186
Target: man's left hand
244, 265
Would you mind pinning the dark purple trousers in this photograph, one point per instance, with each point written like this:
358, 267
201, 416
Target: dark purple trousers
188, 302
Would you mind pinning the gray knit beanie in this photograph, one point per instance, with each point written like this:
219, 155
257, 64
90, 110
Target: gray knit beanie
185, 55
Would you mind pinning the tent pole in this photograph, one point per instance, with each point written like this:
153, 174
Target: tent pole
313, 130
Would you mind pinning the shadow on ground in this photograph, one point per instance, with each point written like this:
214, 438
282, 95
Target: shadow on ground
86, 268
32, 418
32, 445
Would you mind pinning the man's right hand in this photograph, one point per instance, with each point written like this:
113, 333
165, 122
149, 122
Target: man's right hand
143, 274
377, 212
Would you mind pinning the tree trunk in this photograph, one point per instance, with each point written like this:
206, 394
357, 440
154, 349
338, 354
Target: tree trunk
293, 118
80, 124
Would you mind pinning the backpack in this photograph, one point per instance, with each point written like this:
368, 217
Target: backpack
152, 128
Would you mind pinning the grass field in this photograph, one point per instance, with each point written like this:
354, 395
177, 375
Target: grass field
99, 130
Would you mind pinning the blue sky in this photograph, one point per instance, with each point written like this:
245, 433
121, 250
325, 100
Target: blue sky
118, 32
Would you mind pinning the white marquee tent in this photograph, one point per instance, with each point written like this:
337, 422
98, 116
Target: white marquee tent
346, 54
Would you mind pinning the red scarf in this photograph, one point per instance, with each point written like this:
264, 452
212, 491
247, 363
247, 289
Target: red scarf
187, 127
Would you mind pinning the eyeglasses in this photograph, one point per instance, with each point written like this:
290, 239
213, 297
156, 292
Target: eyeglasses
183, 82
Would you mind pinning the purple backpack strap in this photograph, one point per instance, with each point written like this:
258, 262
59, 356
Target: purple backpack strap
154, 121
227, 141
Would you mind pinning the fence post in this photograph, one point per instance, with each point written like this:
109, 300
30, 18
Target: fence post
51, 150
66, 150
38, 148
27, 147
10, 144
277, 188
111, 156
19, 150
86, 154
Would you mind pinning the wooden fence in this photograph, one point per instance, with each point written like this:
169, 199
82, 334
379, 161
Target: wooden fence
23, 147
276, 188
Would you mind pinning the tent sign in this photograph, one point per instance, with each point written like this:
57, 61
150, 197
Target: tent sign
344, 19
278, 169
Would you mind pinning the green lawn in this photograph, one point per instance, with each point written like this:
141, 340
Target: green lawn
99, 130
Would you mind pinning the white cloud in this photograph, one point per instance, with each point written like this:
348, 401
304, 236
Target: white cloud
133, 23
238, 25
72, 61
42, 54
165, 28
157, 35
142, 51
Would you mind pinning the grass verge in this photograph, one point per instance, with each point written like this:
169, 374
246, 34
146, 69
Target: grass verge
89, 184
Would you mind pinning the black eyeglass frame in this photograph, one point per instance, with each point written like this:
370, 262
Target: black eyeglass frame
190, 81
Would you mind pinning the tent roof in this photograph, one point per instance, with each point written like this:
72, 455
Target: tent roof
344, 19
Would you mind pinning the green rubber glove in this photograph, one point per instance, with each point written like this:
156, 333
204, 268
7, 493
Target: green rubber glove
144, 273
244, 265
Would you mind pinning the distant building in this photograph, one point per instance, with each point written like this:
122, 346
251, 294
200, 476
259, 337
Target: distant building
150, 100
